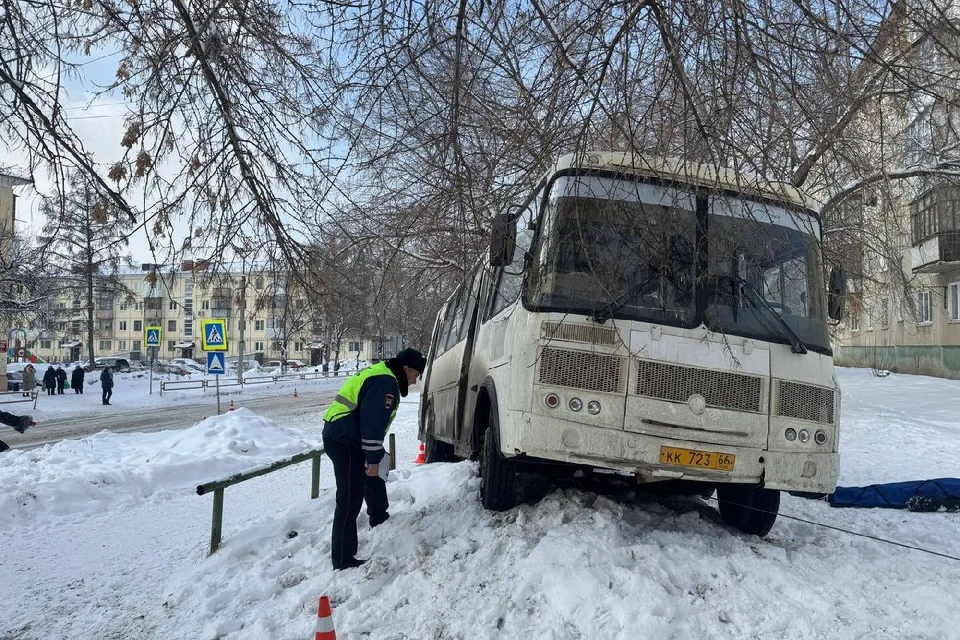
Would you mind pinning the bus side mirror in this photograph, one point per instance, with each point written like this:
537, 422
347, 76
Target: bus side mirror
503, 239
836, 293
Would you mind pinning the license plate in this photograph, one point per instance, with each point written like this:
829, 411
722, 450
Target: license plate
697, 459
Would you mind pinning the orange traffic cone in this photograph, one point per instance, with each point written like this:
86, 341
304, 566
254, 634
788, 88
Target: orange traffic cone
231, 407
421, 455
295, 394
324, 621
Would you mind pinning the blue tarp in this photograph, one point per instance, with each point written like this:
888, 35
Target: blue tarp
935, 493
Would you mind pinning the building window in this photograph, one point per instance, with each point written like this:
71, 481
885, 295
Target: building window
121, 345
355, 346
205, 305
171, 325
123, 306
138, 325
105, 345
258, 325
45, 344
138, 306
298, 346
258, 283
954, 293
171, 344
123, 325
172, 305
136, 345
885, 313
854, 322
924, 308
258, 346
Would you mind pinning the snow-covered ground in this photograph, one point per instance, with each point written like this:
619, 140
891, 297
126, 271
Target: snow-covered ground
105, 538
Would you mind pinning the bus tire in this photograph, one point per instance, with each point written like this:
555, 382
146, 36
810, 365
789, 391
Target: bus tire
749, 508
498, 475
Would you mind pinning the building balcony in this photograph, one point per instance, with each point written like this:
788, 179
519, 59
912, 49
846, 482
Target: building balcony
937, 253
153, 314
217, 312
104, 314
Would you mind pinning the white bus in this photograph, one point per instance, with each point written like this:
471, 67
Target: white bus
645, 317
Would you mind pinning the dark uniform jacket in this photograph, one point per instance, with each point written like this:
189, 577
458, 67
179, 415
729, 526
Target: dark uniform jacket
366, 426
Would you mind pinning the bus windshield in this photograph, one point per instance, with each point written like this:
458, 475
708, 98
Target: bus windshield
612, 247
764, 262
608, 242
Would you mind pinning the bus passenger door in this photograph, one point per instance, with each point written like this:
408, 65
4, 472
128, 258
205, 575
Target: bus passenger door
465, 400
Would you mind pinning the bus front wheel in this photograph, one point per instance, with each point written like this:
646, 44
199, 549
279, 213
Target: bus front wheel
750, 509
498, 475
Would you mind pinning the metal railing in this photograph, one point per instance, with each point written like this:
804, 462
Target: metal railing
34, 395
218, 486
203, 385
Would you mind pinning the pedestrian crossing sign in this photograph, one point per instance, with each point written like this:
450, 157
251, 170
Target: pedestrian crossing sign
152, 335
215, 363
213, 335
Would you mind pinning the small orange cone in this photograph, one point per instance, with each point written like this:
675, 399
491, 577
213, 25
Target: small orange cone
421, 455
295, 394
231, 407
324, 629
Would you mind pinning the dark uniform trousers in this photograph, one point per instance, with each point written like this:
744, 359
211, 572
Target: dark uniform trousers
353, 487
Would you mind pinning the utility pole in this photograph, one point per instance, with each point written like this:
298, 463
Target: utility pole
243, 317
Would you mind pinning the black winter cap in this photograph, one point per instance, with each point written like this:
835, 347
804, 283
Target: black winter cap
412, 358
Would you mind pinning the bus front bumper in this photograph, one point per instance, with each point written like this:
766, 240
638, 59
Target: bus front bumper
551, 440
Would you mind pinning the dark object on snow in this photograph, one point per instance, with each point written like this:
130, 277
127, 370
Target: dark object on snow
292, 534
926, 504
896, 495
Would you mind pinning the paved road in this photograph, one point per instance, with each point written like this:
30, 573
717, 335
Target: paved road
179, 416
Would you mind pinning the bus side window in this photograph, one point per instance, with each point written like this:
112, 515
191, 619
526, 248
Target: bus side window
445, 327
470, 292
510, 278
456, 321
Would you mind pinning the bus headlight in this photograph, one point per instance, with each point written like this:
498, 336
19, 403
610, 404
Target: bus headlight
790, 434
575, 404
593, 407
820, 437
552, 400
804, 435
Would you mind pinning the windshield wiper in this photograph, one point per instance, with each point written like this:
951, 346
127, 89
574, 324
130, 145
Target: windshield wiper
796, 345
606, 312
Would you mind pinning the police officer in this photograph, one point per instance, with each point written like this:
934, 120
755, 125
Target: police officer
353, 432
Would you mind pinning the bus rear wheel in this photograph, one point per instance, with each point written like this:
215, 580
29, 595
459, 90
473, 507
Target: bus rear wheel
750, 509
498, 475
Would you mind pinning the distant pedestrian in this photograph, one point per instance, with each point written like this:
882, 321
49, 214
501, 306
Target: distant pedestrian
77, 379
20, 423
106, 383
50, 381
29, 380
61, 380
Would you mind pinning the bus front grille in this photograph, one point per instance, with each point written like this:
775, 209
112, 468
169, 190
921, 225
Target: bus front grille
581, 370
804, 401
720, 389
578, 333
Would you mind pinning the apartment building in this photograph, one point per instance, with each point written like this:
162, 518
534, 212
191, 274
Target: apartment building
8, 216
904, 313
177, 300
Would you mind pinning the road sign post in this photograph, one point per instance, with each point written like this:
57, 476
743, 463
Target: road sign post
151, 339
213, 340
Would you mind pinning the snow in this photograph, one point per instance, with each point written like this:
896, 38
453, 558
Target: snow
105, 538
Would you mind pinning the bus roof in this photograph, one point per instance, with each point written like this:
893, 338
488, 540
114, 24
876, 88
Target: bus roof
694, 174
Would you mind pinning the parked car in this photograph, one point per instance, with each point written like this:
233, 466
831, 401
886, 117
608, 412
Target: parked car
14, 381
116, 364
274, 366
